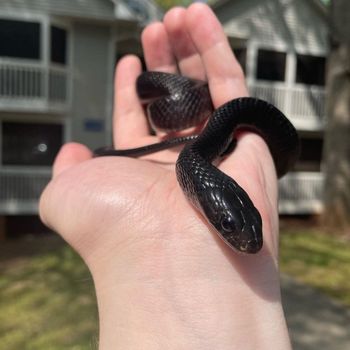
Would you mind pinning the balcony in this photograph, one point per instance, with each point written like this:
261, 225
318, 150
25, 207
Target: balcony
301, 193
303, 105
33, 87
21, 189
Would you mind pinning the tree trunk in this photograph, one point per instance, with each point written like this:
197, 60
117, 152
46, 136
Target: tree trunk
2, 228
337, 133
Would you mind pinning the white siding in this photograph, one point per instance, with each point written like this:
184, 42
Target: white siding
290, 24
309, 32
143, 10
91, 60
99, 9
134, 10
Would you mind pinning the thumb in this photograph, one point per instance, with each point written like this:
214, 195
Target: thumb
69, 155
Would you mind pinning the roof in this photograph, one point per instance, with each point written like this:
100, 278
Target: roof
135, 10
94, 9
300, 25
143, 10
317, 4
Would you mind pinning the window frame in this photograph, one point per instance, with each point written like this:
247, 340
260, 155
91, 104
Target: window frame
311, 165
29, 46
32, 119
51, 53
22, 121
319, 55
277, 50
40, 19
45, 22
67, 27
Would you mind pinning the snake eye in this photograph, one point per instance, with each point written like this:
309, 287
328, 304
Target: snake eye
228, 224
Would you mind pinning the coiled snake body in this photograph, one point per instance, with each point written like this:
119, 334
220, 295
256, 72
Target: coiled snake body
176, 102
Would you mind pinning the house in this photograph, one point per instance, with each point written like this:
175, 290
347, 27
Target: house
56, 81
57, 62
282, 46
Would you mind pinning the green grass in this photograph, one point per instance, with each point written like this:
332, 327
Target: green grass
317, 259
47, 298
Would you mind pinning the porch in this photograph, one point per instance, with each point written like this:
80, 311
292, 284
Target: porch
21, 189
300, 193
304, 105
33, 87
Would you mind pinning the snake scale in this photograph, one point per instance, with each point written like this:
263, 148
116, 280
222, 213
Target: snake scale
176, 102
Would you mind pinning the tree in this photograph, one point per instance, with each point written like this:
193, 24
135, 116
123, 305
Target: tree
167, 4
337, 133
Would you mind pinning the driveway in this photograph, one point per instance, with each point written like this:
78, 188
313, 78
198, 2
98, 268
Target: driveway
315, 321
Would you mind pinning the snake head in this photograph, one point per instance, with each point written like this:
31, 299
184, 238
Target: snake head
232, 213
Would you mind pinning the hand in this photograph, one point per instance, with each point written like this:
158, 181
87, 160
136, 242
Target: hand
163, 278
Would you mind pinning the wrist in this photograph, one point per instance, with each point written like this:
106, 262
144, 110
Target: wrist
157, 296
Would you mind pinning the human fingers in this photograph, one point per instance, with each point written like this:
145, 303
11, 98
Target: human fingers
188, 58
157, 49
69, 155
130, 123
251, 163
224, 74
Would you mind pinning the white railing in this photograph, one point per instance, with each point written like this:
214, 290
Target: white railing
21, 189
301, 193
30, 86
304, 105
57, 91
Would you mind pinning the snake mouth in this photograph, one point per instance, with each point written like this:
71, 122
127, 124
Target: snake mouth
251, 246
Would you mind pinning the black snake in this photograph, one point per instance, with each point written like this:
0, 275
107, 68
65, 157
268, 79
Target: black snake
175, 103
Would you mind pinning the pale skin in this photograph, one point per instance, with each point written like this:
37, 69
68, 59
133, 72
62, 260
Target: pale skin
163, 278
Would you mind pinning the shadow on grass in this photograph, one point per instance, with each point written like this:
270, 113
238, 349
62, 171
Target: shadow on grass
314, 320
318, 259
47, 297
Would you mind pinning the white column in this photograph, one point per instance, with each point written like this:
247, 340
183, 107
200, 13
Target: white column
290, 78
251, 62
45, 57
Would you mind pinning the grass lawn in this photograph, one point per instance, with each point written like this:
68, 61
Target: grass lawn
47, 298
318, 259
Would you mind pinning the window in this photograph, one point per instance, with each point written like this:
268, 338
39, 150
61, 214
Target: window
30, 144
310, 70
19, 39
58, 45
241, 55
311, 154
271, 65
